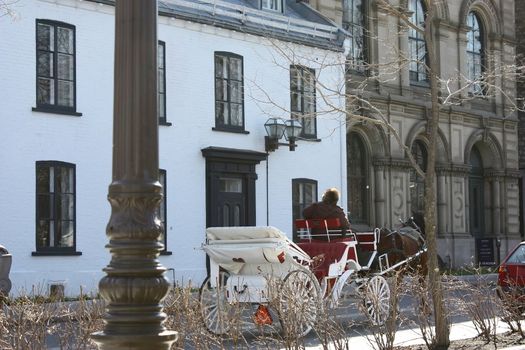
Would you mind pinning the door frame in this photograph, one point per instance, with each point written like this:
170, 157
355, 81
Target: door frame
220, 161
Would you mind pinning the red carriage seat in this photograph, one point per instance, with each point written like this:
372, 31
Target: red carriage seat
333, 248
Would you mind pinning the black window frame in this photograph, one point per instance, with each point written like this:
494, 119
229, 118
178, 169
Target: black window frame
478, 89
281, 10
297, 206
228, 126
54, 250
360, 210
300, 114
416, 38
357, 63
163, 120
55, 107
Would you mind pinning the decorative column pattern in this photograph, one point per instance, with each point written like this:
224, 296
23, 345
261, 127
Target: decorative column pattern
134, 283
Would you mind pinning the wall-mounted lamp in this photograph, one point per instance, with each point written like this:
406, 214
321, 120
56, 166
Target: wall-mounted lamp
276, 128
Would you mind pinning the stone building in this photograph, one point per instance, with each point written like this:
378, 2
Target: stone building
477, 162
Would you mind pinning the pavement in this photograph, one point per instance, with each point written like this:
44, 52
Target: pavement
406, 337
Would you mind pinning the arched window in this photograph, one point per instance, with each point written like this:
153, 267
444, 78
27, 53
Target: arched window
416, 43
417, 182
354, 23
475, 50
358, 186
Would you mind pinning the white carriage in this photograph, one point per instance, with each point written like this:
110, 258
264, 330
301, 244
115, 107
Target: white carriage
262, 266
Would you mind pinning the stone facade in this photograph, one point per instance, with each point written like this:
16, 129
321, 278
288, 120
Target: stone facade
485, 125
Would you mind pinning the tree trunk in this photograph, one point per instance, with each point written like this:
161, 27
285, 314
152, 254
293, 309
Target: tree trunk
435, 285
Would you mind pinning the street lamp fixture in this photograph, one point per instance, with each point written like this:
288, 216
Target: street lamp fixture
276, 128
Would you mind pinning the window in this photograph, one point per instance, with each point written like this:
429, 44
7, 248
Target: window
302, 95
161, 81
162, 211
55, 67
55, 207
475, 49
354, 23
304, 193
358, 186
274, 5
229, 92
417, 182
416, 43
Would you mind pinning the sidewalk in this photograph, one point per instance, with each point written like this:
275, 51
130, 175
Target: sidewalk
458, 331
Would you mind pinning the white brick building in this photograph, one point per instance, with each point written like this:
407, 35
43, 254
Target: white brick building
56, 64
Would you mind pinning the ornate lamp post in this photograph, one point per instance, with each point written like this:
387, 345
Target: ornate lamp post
134, 284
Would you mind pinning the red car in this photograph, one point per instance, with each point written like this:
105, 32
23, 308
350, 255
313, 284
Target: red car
511, 278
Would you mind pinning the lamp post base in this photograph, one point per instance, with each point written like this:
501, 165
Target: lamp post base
161, 341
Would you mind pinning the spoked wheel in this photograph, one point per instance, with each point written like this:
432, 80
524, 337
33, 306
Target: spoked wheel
377, 300
216, 311
300, 302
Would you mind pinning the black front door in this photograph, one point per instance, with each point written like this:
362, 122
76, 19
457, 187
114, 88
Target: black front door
228, 200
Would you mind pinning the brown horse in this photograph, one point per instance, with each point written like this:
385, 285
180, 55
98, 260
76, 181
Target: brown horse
405, 243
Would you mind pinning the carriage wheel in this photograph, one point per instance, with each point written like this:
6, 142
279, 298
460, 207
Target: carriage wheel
300, 303
216, 311
377, 300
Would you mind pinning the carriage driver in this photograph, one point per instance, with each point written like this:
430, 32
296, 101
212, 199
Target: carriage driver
327, 209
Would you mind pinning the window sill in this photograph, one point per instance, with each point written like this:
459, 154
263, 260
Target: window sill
422, 84
56, 253
55, 111
235, 131
166, 252
310, 139
164, 123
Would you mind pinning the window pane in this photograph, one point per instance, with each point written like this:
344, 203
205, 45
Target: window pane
65, 40
236, 91
296, 102
42, 233
45, 206
45, 37
65, 234
232, 185
65, 206
64, 179
308, 126
235, 69
221, 90
45, 64
221, 113
309, 104
160, 81
65, 93
42, 179
65, 66
160, 56
221, 70
161, 105
46, 91
236, 114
